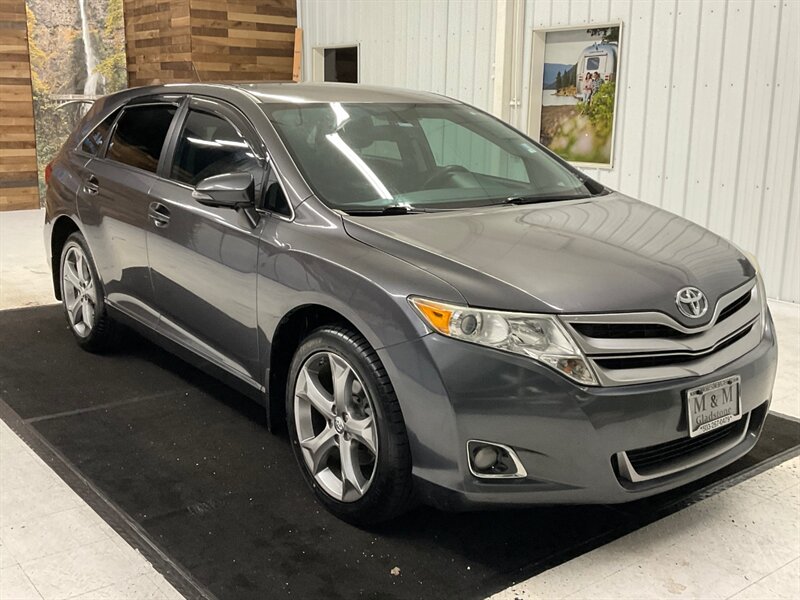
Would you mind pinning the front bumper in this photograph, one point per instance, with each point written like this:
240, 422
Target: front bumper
567, 437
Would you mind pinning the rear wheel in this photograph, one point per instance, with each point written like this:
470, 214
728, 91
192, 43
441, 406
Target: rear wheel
346, 427
83, 298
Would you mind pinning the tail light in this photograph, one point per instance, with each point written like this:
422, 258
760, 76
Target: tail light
48, 172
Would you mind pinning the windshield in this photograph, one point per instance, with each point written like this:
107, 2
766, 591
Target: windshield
422, 156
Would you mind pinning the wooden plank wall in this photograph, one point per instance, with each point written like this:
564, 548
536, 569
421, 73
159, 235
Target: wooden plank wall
167, 41
158, 41
243, 40
18, 183
209, 40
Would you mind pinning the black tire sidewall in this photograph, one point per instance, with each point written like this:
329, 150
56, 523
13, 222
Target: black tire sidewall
391, 464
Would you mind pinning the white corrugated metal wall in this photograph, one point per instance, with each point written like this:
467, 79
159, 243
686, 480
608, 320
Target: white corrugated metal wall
439, 46
708, 119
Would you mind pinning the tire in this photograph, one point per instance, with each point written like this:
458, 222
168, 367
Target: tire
377, 486
83, 297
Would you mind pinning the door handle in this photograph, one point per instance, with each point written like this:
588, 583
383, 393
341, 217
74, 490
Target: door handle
91, 185
159, 214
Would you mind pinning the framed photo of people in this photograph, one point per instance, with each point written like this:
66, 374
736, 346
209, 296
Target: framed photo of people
574, 92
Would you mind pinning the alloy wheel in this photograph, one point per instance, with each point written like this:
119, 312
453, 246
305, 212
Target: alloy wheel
79, 291
336, 426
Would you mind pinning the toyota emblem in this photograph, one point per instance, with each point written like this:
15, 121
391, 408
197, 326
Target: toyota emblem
691, 302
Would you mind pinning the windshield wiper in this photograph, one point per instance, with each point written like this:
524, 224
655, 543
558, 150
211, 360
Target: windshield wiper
537, 199
392, 209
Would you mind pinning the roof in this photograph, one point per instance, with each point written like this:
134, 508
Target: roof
297, 93
293, 92
335, 92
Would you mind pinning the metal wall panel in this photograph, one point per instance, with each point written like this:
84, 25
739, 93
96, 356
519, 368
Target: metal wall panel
708, 118
444, 46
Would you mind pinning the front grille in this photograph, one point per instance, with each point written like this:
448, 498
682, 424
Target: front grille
628, 330
630, 348
651, 457
668, 458
658, 360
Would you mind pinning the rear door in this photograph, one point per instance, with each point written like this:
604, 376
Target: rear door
203, 260
113, 202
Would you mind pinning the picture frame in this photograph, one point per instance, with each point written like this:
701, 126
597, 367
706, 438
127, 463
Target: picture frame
577, 122
78, 54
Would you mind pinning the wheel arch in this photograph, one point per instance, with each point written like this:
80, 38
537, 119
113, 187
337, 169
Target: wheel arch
290, 332
63, 227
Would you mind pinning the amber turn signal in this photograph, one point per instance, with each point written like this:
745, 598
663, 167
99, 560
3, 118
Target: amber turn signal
437, 315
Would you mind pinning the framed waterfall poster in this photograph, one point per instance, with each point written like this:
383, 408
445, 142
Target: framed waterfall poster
574, 92
77, 52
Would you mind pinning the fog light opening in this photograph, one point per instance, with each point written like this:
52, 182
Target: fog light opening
490, 460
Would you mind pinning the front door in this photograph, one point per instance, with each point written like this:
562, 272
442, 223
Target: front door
203, 260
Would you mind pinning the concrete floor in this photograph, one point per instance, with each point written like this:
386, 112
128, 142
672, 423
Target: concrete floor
53, 546
741, 543
24, 272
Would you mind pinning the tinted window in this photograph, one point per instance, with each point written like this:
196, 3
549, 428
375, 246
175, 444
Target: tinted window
139, 135
275, 200
210, 145
93, 142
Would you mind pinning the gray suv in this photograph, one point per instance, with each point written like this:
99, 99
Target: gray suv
438, 307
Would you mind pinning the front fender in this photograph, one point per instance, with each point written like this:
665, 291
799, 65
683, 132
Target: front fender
306, 262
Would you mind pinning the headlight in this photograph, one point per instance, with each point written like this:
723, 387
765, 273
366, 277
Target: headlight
540, 337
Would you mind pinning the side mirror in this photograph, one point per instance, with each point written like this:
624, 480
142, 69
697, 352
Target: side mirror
231, 190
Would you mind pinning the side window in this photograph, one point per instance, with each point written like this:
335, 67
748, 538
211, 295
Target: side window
453, 144
95, 140
139, 135
275, 200
210, 145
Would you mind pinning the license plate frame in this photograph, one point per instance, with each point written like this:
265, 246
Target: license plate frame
714, 405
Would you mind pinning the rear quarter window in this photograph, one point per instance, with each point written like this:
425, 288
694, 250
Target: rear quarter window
97, 137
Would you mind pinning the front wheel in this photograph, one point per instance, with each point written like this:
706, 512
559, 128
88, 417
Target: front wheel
83, 298
346, 427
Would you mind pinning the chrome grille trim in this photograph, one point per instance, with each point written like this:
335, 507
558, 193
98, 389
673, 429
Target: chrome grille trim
704, 337
702, 366
708, 341
698, 354
665, 319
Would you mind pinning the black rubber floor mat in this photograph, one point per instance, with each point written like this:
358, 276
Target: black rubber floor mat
192, 464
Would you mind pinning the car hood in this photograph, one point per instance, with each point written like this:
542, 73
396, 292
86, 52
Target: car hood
607, 254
